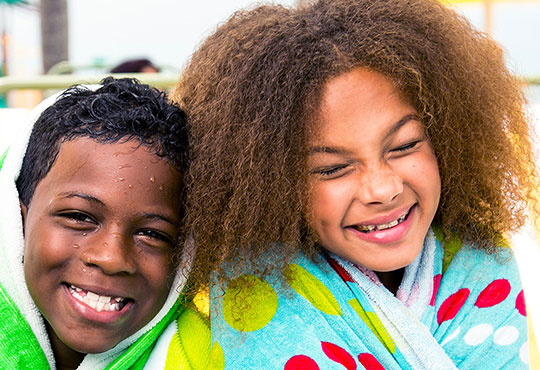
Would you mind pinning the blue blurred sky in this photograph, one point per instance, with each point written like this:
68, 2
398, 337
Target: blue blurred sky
516, 26
167, 31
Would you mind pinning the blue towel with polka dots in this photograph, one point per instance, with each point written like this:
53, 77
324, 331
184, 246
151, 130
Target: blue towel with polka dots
457, 307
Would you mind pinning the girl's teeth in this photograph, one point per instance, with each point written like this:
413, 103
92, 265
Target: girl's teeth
369, 228
96, 301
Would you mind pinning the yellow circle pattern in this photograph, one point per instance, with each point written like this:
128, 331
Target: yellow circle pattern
312, 289
249, 303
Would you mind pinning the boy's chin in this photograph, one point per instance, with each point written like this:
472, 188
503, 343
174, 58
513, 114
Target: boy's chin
77, 344
91, 346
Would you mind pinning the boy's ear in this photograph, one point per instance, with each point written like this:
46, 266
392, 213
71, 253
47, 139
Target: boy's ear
23, 211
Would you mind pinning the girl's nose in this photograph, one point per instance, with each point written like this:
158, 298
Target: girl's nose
110, 254
379, 185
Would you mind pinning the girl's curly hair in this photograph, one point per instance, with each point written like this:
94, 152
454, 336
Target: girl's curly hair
252, 94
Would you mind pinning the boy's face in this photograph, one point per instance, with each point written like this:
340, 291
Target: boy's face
99, 238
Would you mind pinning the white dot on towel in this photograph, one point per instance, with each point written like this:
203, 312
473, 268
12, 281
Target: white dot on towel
524, 353
506, 335
477, 334
451, 336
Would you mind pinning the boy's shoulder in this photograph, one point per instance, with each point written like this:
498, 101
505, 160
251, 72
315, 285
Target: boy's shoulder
20, 347
2, 158
185, 344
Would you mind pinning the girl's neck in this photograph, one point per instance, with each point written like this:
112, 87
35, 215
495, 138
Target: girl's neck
65, 357
391, 279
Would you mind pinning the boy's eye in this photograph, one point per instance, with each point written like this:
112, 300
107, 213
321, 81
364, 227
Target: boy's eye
154, 237
77, 217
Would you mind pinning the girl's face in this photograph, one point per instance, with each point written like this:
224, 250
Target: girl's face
374, 179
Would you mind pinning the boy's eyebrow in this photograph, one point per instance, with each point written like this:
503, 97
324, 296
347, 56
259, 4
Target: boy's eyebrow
393, 130
87, 197
156, 216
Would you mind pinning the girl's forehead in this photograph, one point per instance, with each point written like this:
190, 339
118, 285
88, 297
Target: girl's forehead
359, 100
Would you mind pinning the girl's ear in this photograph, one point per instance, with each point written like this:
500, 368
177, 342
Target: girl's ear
23, 211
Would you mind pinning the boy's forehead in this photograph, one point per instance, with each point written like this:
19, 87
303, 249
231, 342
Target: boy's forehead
86, 152
96, 167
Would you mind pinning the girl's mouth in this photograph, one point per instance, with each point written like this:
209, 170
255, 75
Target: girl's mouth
366, 229
96, 301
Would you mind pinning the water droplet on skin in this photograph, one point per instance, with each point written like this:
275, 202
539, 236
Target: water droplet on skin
84, 234
105, 244
76, 246
161, 187
121, 178
130, 186
152, 179
84, 270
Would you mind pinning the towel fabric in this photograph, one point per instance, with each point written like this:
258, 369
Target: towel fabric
23, 338
457, 307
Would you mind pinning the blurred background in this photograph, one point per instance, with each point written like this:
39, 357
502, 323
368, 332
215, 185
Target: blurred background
93, 36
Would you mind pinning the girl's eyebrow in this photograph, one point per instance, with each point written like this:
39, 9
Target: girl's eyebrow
342, 151
399, 124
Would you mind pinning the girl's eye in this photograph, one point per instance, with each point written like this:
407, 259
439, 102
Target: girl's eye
329, 171
406, 147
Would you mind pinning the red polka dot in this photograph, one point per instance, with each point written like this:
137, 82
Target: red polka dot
369, 361
520, 304
339, 355
340, 270
452, 305
493, 294
301, 362
436, 284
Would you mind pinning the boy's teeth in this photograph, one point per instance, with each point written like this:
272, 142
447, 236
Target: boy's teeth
388, 225
96, 301
104, 299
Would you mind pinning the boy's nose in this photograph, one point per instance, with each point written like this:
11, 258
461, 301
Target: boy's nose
379, 185
111, 254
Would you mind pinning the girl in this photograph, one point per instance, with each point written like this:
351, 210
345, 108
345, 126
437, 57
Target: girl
356, 167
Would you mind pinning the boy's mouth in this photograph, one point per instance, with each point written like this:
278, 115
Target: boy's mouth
370, 228
96, 301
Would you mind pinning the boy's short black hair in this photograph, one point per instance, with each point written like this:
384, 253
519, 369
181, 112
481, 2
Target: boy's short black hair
120, 110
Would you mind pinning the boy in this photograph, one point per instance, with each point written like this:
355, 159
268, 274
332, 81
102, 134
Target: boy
89, 268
